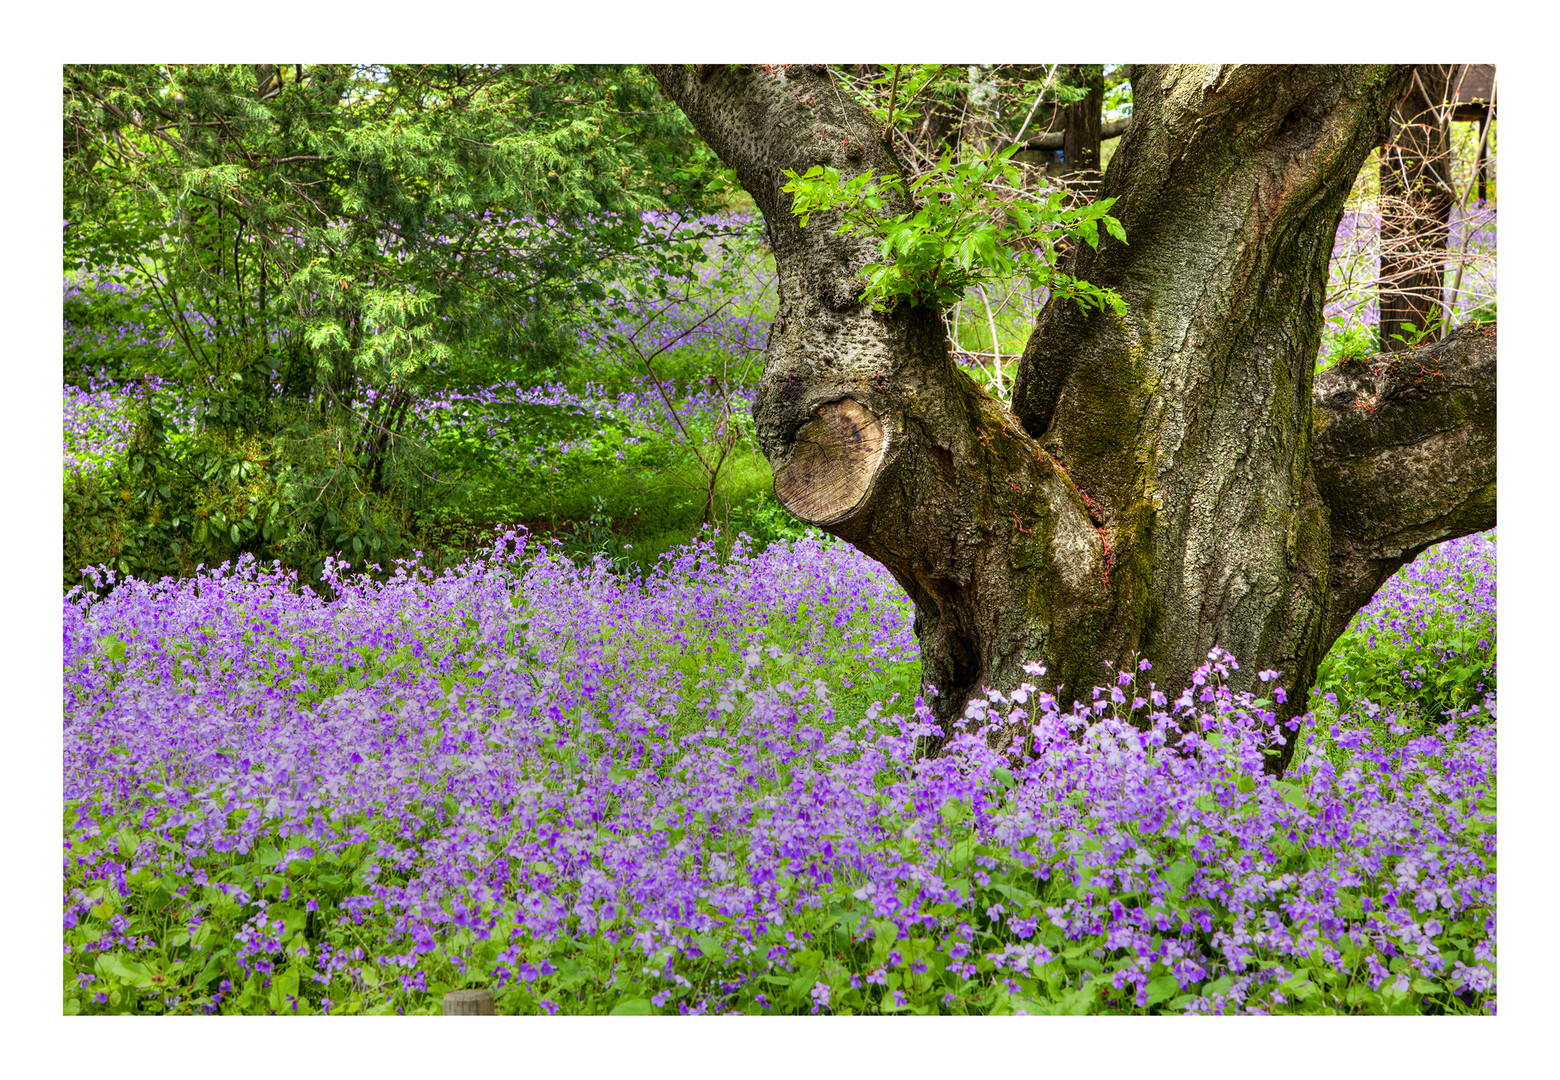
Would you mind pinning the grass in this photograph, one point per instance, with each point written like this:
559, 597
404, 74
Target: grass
633, 514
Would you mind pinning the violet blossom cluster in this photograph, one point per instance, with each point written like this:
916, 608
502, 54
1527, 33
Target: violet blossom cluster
1454, 580
99, 417
98, 427
1426, 637
526, 751
87, 341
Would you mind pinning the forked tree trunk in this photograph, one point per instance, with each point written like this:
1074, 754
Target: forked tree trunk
1167, 481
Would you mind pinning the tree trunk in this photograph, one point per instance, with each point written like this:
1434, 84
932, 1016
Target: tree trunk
1416, 207
1166, 482
1082, 119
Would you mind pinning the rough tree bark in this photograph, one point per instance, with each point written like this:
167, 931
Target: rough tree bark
1167, 481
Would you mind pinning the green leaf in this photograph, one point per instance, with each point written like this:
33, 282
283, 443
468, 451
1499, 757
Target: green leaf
1079, 1002
1293, 795
636, 1006
284, 985
1179, 873
129, 842
131, 971
1162, 989
713, 950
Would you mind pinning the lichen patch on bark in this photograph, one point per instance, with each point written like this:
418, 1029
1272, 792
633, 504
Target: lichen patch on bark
1077, 549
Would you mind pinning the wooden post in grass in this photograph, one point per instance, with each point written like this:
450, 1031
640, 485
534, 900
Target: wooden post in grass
469, 1003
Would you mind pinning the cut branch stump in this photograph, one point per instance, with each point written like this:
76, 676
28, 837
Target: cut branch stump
469, 1003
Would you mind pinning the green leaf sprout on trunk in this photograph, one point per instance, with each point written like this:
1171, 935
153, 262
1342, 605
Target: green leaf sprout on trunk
958, 225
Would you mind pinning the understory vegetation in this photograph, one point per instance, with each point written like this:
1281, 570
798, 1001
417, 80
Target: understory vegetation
623, 437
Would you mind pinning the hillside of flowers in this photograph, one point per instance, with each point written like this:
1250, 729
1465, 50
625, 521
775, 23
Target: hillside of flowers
695, 792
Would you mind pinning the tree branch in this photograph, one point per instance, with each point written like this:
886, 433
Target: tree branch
1053, 140
295, 157
763, 120
1404, 457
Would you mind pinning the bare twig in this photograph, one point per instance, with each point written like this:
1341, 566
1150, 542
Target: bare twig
1044, 86
892, 90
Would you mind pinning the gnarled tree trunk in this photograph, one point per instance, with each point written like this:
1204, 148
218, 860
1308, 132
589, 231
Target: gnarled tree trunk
1167, 481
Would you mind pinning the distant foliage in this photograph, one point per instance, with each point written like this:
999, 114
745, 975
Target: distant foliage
309, 250
112, 334
1352, 313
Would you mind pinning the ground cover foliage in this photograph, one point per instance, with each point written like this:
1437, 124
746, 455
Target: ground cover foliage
696, 792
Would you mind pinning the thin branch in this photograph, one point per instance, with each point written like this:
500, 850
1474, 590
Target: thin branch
661, 390
293, 158
1462, 251
996, 346
1044, 86
892, 90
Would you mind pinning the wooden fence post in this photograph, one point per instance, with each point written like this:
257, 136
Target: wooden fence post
469, 1003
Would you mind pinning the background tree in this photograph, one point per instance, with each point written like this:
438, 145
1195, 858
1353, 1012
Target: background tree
1172, 476
1081, 131
327, 242
1416, 206
1418, 196
1076, 127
